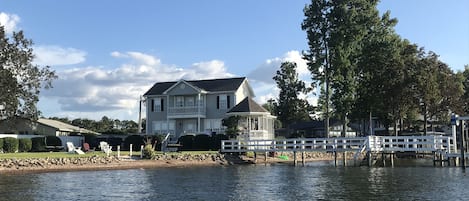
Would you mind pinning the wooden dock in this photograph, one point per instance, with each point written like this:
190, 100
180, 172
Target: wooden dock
370, 148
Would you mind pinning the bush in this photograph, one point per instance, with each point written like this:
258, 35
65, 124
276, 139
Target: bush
53, 141
201, 142
159, 140
24, 145
149, 152
1, 145
135, 140
38, 144
215, 141
187, 142
10, 145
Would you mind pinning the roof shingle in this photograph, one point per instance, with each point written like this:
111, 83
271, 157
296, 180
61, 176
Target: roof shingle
213, 85
247, 105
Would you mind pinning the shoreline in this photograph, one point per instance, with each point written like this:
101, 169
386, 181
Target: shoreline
96, 163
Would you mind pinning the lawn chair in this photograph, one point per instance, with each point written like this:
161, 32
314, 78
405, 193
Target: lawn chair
86, 147
104, 146
72, 149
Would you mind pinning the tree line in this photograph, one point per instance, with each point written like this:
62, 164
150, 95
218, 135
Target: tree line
361, 68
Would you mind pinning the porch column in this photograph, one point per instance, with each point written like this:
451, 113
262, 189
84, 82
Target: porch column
198, 112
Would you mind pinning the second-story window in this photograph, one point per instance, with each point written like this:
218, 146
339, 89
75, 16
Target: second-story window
223, 101
158, 104
179, 101
190, 101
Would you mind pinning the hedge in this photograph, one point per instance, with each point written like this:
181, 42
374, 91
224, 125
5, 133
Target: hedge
10, 145
1, 145
38, 144
53, 141
135, 140
24, 145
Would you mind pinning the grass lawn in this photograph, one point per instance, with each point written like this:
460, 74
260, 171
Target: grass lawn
99, 153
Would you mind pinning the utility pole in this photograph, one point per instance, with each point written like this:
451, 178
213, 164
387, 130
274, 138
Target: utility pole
139, 130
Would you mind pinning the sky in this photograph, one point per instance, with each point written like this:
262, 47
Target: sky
108, 53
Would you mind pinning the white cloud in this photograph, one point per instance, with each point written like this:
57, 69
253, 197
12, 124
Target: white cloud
9, 21
266, 71
55, 55
104, 90
266, 88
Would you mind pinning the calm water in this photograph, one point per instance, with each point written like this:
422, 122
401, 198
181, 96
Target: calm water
315, 181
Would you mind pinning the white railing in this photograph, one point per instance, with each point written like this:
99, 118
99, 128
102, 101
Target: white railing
370, 143
186, 111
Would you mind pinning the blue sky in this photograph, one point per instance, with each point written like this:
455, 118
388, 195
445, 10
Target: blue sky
107, 53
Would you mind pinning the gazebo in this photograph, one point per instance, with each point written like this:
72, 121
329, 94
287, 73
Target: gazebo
255, 123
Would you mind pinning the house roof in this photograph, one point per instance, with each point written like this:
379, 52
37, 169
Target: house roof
61, 126
213, 85
247, 105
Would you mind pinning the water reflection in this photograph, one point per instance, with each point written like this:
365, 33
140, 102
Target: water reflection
315, 181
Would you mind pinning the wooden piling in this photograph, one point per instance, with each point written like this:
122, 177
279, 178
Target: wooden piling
463, 157
303, 158
345, 158
392, 159
370, 161
295, 161
335, 158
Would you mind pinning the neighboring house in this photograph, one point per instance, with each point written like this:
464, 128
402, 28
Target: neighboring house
315, 129
41, 127
198, 106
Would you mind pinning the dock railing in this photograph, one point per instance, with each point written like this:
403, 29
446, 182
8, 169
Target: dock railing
369, 143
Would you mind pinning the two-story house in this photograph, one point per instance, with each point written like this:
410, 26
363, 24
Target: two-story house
198, 106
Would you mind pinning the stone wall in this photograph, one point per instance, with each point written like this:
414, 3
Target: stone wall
55, 162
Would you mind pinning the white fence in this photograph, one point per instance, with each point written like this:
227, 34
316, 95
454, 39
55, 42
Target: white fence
370, 143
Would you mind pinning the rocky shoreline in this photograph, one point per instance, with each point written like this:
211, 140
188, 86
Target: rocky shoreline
161, 160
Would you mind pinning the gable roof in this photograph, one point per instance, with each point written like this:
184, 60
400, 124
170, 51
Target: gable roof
247, 105
61, 126
213, 85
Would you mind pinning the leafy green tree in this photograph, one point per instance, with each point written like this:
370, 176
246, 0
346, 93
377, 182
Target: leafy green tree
20, 80
290, 108
336, 31
231, 124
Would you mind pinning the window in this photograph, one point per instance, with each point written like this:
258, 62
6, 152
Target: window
179, 101
190, 101
158, 104
222, 101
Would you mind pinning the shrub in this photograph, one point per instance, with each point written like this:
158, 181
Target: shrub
1, 145
53, 141
149, 152
10, 145
38, 144
159, 140
24, 145
187, 142
201, 142
135, 140
215, 141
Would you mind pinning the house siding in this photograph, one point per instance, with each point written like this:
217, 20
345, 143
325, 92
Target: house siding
210, 120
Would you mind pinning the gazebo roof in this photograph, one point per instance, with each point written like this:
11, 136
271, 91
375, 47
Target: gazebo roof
248, 105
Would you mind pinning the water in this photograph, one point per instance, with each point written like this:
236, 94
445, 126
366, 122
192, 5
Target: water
315, 181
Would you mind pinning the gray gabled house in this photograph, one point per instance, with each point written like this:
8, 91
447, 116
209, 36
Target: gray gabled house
198, 106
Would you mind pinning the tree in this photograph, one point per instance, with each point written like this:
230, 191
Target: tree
336, 31
290, 108
20, 80
231, 124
